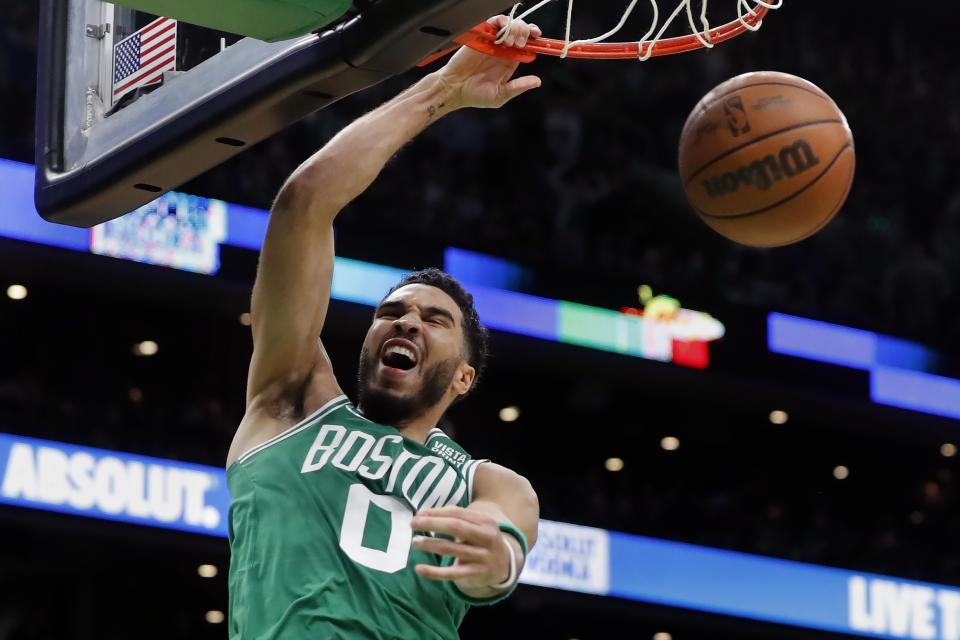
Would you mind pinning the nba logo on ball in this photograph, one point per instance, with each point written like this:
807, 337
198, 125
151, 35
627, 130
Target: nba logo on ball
786, 170
736, 116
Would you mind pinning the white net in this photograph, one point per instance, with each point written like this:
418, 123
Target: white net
700, 27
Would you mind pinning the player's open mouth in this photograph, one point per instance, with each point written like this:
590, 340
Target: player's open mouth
399, 356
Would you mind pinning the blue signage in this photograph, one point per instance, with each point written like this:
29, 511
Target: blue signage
780, 591
902, 373
115, 486
96, 483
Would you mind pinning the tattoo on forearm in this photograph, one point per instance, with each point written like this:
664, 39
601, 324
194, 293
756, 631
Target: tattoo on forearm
432, 109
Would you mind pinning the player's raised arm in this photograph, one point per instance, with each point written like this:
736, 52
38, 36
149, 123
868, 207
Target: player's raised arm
292, 288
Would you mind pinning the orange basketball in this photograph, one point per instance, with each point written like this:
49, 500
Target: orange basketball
767, 159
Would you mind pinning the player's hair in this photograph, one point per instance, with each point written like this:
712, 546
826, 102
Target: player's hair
475, 335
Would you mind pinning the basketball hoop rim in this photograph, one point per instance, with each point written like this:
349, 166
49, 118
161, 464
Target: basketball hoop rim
482, 37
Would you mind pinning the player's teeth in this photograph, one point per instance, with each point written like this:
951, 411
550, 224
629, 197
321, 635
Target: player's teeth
403, 352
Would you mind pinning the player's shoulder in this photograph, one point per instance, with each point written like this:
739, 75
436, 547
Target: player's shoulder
499, 473
264, 425
440, 443
338, 406
493, 478
438, 438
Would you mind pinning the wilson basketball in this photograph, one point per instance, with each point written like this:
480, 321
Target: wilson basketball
767, 159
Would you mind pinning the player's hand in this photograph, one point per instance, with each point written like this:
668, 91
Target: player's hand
479, 80
481, 557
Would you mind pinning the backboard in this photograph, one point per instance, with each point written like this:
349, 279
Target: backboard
131, 105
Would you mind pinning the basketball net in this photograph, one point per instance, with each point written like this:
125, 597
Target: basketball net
488, 39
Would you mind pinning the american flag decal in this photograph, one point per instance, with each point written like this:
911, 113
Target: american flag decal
141, 58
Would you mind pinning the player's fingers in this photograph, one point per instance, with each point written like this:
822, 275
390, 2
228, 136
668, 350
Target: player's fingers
456, 527
518, 33
453, 572
507, 69
522, 31
471, 515
520, 85
500, 22
459, 550
525, 31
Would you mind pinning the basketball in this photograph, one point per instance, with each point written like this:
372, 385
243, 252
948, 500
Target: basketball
767, 159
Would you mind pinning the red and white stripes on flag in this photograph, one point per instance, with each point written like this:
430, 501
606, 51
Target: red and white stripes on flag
142, 57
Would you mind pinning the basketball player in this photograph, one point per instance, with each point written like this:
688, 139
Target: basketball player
367, 521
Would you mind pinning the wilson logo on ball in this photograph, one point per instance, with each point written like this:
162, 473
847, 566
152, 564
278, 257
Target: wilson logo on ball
792, 160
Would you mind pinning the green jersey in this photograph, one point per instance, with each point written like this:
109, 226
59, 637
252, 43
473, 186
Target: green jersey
320, 531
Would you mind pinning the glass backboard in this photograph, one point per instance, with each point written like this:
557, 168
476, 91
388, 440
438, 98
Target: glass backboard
131, 105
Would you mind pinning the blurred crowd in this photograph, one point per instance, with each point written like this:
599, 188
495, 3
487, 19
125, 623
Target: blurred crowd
579, 181
735, 482
579, 178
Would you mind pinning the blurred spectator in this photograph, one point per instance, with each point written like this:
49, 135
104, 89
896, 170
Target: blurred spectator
581, 174
578, 180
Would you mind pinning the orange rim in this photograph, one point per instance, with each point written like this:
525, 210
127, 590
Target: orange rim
482, 37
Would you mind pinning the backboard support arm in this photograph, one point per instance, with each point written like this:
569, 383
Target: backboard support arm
200, 119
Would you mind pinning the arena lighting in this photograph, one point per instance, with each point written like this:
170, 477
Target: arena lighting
207, 571
16, 292
246, 319
176, 230
682, 339
948, 450
146, 348
670, 443
779, 417
613, 464
840, 472
509, 414
479, 268
902, 373
97, 483
214, 616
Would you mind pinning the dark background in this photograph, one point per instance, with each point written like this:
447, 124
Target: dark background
578, 183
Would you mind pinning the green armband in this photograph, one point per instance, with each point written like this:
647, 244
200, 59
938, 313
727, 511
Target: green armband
505, 527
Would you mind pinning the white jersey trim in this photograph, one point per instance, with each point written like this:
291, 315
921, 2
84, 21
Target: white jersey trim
300, 426
433, 433
469, 468
352, 410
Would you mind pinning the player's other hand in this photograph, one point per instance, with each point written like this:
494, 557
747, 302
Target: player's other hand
479, 80
480, 556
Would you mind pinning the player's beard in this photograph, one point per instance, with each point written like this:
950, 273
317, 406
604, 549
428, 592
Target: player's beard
385, 406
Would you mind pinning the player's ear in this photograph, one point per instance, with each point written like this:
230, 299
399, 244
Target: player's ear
463, 378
